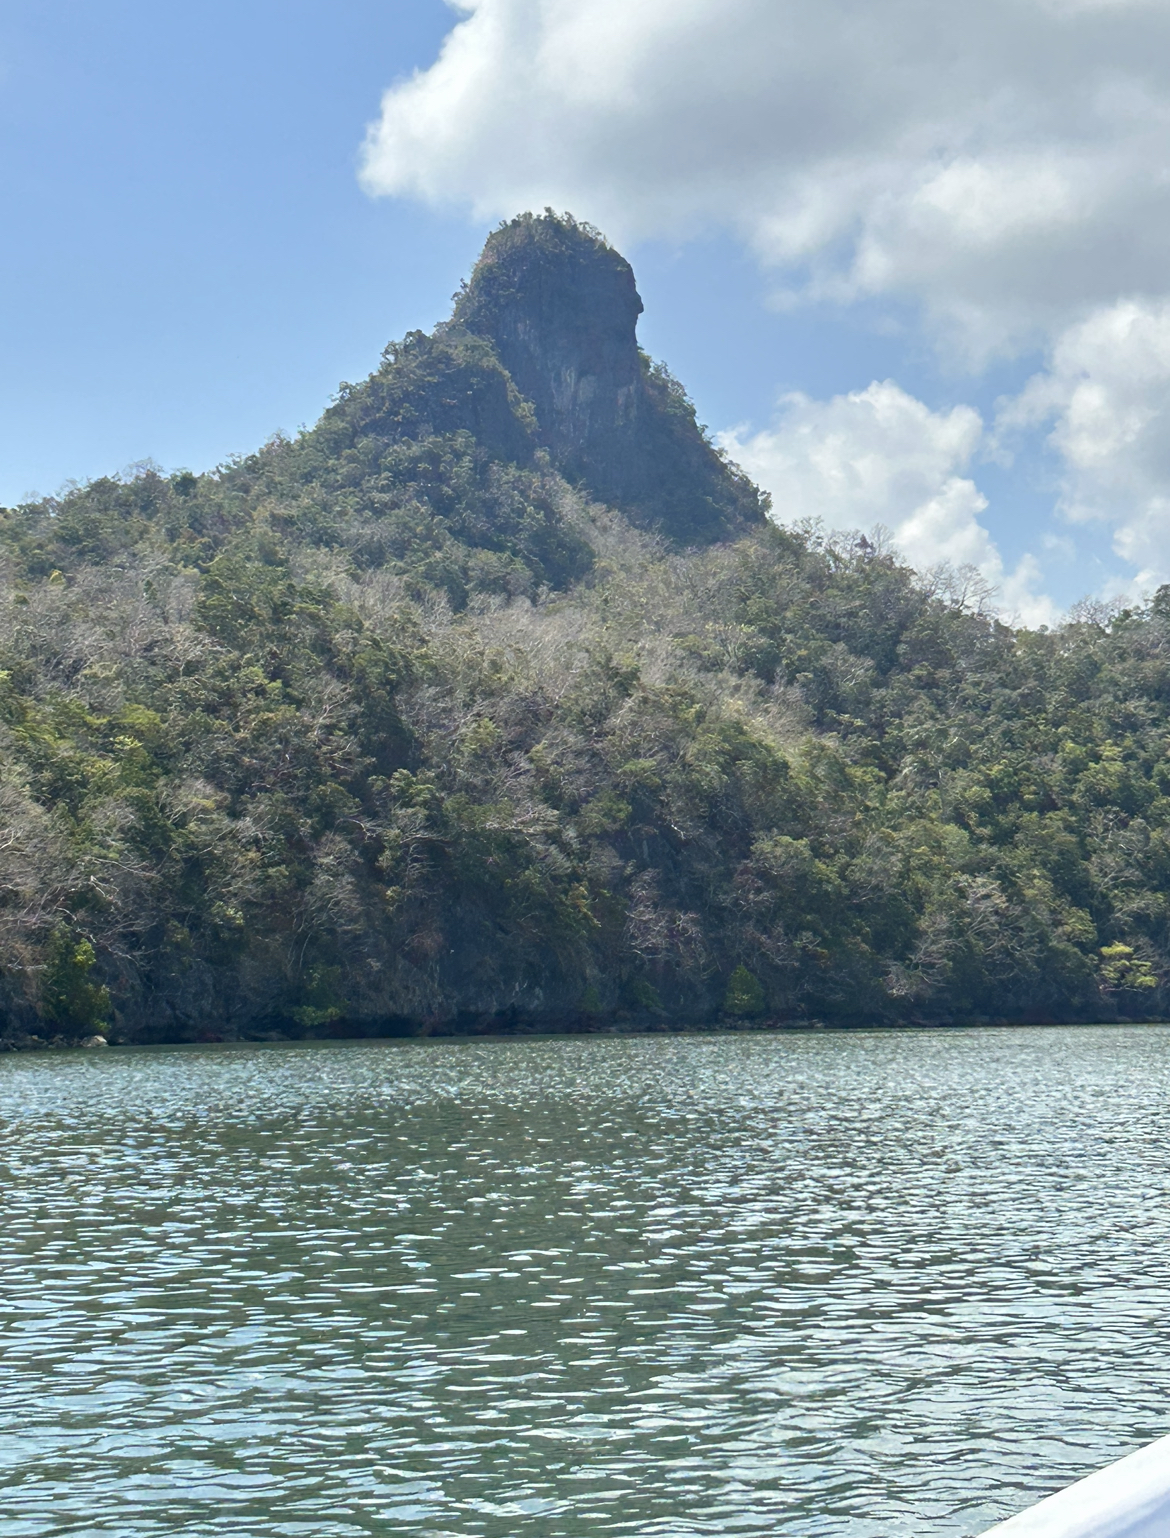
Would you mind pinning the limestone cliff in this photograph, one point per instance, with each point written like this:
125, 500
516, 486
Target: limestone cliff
560, 307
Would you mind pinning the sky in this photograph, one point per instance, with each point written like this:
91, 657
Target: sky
911, 258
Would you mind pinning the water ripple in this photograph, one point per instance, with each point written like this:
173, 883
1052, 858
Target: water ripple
831, 1286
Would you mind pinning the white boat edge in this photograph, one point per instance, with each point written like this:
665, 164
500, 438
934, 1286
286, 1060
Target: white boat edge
1127, 1499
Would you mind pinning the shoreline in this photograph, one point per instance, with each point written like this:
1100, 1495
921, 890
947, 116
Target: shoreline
494, 1030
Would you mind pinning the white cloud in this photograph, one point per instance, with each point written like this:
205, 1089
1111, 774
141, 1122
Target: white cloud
1002, 166
1107, 392
1003, 163
878, 456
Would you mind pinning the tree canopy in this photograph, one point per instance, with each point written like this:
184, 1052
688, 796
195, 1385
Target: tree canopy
392, 727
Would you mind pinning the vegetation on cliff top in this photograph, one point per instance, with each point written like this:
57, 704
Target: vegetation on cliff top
394, 727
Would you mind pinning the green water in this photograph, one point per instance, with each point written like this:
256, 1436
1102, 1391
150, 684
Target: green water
864, 1285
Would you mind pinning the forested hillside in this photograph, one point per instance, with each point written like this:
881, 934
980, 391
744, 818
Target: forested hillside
444, 715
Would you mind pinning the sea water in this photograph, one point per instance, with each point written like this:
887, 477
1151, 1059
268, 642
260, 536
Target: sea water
857, 1285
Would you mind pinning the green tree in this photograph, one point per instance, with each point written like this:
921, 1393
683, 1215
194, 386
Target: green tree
745, 994
1120, 968
68, 997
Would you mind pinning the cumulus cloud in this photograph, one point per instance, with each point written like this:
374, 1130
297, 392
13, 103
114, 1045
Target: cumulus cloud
1106, 393
1004, 163
878, 456
1002, 168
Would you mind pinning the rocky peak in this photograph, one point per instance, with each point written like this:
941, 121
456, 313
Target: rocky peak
560, 306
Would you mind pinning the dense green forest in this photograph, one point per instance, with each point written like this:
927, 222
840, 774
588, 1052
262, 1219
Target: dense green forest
494, 701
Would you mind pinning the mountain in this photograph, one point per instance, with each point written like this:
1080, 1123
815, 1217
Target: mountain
560, 308
495, 701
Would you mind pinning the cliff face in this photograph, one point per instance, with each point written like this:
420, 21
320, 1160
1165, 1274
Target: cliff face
560, 307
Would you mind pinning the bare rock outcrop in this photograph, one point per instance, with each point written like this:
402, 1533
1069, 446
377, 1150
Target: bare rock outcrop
560, 307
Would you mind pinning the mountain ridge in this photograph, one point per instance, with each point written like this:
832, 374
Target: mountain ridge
399, 727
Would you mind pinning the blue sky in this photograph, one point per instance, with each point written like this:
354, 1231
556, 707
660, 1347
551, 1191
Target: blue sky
188, 260
911, 261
